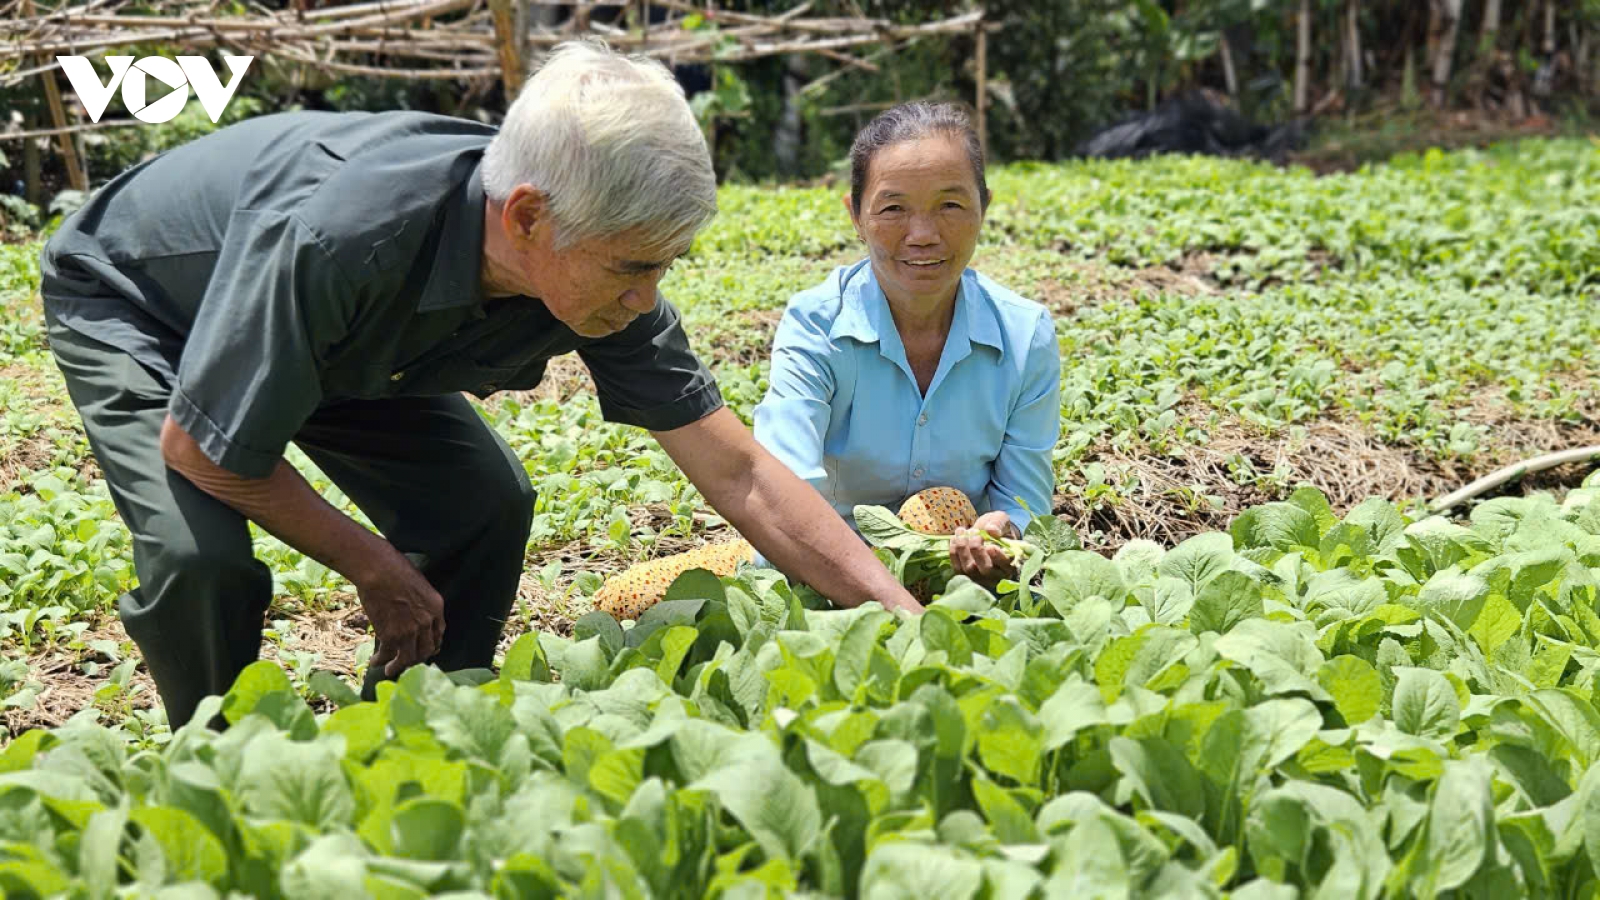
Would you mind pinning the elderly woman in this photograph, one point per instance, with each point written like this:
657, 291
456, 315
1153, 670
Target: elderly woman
907, 370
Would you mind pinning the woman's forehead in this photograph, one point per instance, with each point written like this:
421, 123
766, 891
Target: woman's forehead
935, 162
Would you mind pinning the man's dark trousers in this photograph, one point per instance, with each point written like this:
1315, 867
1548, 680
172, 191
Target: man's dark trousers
432, 476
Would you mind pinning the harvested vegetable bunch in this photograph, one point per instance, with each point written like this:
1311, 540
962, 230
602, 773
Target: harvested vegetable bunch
884, 529
628, 594
921, 561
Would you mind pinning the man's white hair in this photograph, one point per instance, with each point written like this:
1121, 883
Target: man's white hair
612, 142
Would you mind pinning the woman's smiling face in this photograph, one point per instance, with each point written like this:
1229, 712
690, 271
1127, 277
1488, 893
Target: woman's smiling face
920, 214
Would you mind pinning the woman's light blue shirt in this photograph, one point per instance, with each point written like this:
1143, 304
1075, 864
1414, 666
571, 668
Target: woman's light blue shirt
844, 413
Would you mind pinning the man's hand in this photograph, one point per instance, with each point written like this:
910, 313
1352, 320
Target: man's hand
781, 515
976, 558
406, 612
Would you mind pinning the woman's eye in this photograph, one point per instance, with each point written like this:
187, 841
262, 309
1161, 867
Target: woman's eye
893, 207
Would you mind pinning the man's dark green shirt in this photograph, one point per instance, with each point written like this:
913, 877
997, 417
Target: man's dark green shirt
294, 261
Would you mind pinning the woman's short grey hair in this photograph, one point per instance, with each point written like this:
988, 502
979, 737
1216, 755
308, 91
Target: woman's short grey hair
912, 122
611, 141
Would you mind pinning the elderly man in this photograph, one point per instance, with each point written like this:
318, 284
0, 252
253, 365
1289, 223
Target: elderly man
337, 280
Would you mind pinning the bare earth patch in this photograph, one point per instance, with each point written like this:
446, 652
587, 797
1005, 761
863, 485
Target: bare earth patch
1092, 284
555, 608
334, 634
29, 454
564, 377
1197, 490
1338, 456
334, 631
46, 398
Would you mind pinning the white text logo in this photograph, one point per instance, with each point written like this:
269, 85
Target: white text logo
130, 74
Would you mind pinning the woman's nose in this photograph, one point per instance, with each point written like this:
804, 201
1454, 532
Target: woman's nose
922, 230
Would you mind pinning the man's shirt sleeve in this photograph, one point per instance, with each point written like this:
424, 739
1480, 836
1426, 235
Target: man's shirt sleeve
250, 374
1023, 466
646, 375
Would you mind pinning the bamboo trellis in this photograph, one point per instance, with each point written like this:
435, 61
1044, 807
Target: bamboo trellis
475, 41
462, 32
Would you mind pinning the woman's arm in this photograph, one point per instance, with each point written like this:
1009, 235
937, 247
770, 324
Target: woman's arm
1022, 468
791, 421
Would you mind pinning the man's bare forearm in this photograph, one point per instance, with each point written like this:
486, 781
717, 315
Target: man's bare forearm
781, 515
795, 528
284, 504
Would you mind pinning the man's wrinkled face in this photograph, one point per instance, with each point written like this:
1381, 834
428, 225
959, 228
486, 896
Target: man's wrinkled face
595, 286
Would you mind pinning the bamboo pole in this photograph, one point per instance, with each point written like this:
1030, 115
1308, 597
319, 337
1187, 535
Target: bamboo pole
1450, 21
475, 39
68, 130
76, 176
508, 46
817, 84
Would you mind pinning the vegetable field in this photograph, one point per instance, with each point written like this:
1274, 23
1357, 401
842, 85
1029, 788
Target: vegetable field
1243, 659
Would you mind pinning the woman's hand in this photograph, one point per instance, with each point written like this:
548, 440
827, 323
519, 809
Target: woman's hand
978, 559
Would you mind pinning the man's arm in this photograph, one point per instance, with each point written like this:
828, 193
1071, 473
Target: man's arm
781, 515
406, 612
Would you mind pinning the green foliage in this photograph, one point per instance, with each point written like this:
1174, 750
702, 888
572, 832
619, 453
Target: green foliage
1323, 736
1395, 296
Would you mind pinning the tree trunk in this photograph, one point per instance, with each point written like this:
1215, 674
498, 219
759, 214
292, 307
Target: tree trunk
1585, 71
1450, 15
1549, 46
1302, 67
1483, 60
1352, 44
1435, 31
1228, 73
1491, 30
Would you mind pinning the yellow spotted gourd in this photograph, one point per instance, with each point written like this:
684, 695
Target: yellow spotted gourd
628, 594
938, 510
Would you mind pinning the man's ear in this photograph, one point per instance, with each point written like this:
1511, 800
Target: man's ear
850, 209
526, 210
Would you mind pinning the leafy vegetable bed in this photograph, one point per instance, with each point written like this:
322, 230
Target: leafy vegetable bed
1307, 706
